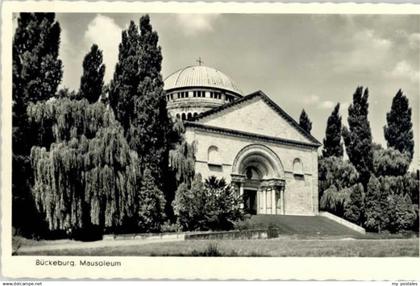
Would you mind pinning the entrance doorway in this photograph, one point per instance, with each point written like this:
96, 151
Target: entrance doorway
250, 201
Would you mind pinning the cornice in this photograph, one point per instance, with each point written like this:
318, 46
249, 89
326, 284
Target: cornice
243, 134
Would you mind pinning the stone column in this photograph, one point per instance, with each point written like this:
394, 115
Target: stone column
258, 202
273, 201
241, 194
283, 211
264, 194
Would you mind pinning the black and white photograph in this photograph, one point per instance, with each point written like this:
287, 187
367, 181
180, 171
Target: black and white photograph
214, 135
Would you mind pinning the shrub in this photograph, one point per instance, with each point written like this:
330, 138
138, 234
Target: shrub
170, 227
401, 214
272, 231
207, 206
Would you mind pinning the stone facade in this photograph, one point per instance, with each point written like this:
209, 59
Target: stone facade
273, 163
248, 140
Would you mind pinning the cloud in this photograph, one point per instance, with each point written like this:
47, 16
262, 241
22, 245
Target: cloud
311, 99
327, 104
104, 32
404, 70
365, 50
315, 101
71, 58
414, 40
192, 24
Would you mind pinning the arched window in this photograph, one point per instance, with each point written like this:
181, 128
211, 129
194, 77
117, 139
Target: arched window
183, 116
195, 114
214, 156
178, 116
189, 116
297, 167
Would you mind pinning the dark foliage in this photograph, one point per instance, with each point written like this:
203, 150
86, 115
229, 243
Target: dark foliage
354, 207
332, 142
336, 171
92, 80
305, 122
358, 138
376, 210
398, 131
390, 162
207, 206
137, 97
123, 87
89, 178
37, 72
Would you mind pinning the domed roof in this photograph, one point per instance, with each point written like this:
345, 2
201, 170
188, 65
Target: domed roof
200, 76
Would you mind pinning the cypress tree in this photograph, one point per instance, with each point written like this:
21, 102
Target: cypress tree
138, 99
376, 210
150, 125
332, 142
124, 85
36, 72
358, 138
305, 122
398, 131
354, 207
92, 80
151, 204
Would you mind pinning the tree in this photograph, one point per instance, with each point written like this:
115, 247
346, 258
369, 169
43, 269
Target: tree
354, 207
398, 131
334, 171
390, 162
305, 122
67, 93
152, 204
150, 125
189, 205
37, 72
334, 200
181, 164
213, 182
358, 138
139, 102
124, 85
376, 210
332, 142
138, 99
88, 178
92, 80
209, 205
402, 214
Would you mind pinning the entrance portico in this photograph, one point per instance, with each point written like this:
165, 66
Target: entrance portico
258, 176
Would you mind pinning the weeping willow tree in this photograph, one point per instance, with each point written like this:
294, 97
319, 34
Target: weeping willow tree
182, 156
88, 176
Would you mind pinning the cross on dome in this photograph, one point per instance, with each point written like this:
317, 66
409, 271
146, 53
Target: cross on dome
199, 61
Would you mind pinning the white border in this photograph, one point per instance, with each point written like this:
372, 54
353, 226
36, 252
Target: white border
184, 267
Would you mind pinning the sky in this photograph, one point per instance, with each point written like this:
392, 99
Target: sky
306, 62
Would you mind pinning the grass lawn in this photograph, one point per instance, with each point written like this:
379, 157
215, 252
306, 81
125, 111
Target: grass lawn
274, 247
301, 225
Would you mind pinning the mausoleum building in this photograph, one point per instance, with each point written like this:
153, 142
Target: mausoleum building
248, 140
